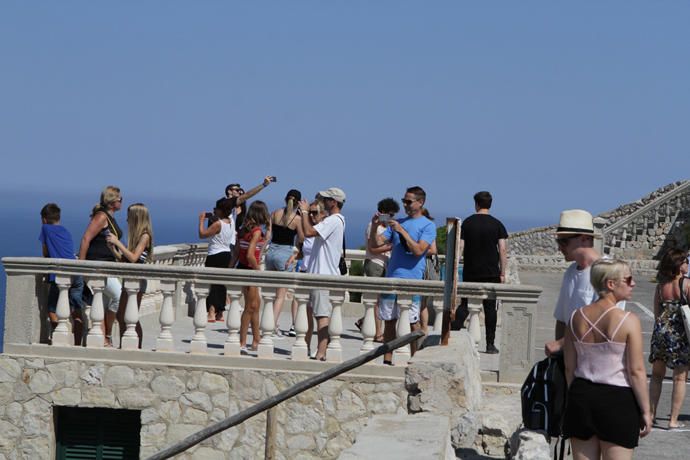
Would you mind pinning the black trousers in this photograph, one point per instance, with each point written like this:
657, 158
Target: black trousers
490, 312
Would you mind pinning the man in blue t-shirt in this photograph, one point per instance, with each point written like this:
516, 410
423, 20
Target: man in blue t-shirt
58, 244
411, 237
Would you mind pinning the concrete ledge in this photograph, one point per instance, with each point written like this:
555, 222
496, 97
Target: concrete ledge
186, 360
400, 437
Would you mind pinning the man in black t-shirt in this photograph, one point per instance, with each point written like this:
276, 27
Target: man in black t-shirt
484, 252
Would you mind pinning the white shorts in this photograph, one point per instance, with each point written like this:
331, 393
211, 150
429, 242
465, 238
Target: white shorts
320, 301
389, 311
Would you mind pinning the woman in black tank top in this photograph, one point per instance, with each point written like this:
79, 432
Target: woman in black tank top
94, 246
286, 232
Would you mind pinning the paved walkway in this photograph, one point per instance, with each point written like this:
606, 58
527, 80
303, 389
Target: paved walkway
660, 444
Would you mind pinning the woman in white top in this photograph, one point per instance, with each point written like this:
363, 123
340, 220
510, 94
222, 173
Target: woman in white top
221, 231
608, 404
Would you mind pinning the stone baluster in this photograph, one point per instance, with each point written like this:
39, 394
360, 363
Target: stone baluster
402, 355
62, 333
369, 324
130, 339
335, 326
474, 306
164, 342
95, 338
198, 344
267, 324
234, 321
438, 308
300, 350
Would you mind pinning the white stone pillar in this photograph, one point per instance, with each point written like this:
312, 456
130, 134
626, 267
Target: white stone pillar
402, 355
62, 332
300, 350
95, 338
130, 339
335, 327
267, 324
369, 324
198, 344
234, 321
164, 342
438, 308
474, 306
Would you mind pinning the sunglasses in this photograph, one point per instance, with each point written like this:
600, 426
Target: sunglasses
562, 241
627, 280
407, 202
313, 213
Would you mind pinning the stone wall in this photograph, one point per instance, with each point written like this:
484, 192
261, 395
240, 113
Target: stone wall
641, 230
177, 401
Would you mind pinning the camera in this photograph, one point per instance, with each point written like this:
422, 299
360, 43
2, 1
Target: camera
209, 215
274, 179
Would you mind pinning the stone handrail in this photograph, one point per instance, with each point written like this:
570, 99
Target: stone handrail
646, 208
23, 323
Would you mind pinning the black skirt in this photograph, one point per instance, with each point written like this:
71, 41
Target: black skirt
217, 293
609, 412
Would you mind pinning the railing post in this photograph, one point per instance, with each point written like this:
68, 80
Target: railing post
335, 326
437, 302
300, 350
369, 324
198, 344
267, 324
130, 339
474, 307
61, 334
518, 351
95, 338
234, 321
402, 355
164, 342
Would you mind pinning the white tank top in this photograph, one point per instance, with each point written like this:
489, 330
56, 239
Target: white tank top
221, 241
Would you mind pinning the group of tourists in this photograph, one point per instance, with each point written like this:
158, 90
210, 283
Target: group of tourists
101, 242
609, 406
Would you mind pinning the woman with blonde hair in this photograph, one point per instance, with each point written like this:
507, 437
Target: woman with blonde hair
669, 345
608, 404
251, 240
139, 250
94, 246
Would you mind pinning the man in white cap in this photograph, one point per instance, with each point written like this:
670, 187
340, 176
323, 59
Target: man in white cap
325, 257
575, 240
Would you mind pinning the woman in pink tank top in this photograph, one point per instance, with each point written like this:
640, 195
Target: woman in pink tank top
608, 404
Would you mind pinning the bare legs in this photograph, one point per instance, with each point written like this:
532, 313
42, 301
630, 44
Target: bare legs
680, 375
278, 304
593, 448
250, 315
322, 334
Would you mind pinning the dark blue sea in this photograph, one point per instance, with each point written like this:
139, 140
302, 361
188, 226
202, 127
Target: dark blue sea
174, 221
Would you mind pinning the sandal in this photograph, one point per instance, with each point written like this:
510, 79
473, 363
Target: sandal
358, 324
108, 342
378, 339
679, 427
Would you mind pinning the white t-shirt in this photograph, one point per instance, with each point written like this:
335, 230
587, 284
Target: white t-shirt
307, 247
379, 259
328, 246
576, 291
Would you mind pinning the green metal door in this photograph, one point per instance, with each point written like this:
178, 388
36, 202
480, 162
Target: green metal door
97, 434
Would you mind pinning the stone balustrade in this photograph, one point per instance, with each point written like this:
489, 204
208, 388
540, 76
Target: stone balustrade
25, 325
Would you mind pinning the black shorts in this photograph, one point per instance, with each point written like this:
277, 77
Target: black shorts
609, 412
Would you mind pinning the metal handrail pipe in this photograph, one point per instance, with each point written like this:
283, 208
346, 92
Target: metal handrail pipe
294, 390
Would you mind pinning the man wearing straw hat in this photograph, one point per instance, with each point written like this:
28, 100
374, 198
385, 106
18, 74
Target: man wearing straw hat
575, 240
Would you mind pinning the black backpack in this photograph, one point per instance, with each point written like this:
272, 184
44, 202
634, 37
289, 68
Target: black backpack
543, 396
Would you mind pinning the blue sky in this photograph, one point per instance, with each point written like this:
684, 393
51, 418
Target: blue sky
549, 105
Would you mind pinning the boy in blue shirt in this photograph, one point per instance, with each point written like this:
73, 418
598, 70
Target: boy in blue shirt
57, 244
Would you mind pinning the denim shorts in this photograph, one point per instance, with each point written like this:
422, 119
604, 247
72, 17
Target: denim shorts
74, 294
277, 256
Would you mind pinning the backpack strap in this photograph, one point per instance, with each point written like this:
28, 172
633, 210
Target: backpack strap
683, 297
